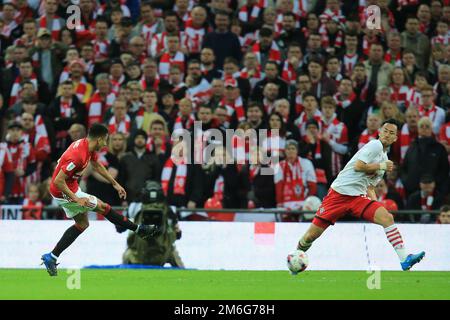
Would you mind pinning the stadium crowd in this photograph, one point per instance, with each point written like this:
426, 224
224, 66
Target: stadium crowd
310, 68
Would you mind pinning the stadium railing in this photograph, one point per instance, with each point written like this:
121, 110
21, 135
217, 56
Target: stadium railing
251, 211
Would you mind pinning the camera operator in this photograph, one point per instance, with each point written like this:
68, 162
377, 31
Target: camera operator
160, 249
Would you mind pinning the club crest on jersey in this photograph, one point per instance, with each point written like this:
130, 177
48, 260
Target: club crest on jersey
70, 166
321, 211
298, 190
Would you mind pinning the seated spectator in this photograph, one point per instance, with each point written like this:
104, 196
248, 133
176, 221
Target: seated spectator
182, 182
425, 156
64, 111
426, 199
138, 160
294, 180
23, 159
319, 152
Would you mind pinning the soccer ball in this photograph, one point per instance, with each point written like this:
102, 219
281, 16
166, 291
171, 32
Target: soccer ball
297, 261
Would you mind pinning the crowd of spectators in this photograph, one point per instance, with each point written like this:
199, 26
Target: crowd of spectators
310, 68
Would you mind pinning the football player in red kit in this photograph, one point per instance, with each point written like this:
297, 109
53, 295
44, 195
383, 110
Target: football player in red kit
76, 203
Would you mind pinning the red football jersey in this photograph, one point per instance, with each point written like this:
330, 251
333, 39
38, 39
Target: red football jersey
73, 162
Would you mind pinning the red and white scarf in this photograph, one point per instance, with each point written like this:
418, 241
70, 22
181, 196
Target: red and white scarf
56, 26
366, 137
181, 123
151, 144
274, 52
167, 61
344, 103
194, 36
289, 74
396, 61
414, 98
117, 84
244, 15
123, 126
179, 184
349, 62
430, 112
299, 103
399, 95
155, 85
65, 108
237, 106
17, 87
338, 41
97, 107
148, 32
101, 49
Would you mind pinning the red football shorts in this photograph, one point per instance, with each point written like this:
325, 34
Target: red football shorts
336, 205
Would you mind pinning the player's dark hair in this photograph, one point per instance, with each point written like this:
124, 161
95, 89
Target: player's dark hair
98, 130
392, 121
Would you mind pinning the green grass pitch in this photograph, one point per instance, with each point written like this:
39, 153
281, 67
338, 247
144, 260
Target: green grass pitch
221, 285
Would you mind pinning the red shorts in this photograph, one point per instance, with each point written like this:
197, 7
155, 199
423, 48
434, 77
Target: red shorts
336, 205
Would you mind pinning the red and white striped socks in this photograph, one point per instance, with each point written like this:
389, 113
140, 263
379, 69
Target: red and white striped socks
395, 238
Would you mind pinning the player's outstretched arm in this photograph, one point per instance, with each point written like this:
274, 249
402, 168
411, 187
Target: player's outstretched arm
100, 169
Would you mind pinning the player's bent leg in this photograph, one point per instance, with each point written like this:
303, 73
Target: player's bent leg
122, 222
310, 236
386, 219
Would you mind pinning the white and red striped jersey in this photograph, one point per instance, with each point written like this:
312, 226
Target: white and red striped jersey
97, 107
167, 60
194, 37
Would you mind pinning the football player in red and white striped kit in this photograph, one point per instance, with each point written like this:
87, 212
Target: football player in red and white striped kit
353, 191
